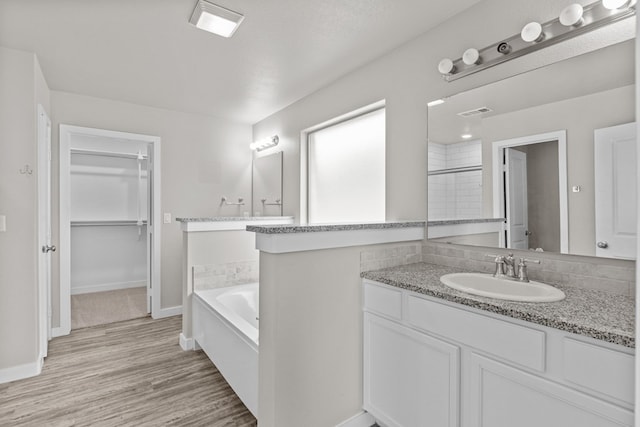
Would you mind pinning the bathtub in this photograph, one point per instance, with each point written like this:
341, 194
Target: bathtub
225, 326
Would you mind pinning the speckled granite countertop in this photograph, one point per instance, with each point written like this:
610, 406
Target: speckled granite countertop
465, 221
596, 314
232, 218
310, 228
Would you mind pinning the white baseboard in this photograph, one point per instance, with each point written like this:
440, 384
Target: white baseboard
168, 312
59, 332
363, 419
21, 371
75, 290
186, 343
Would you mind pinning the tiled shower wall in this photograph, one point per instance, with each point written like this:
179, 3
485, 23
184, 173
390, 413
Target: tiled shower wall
455, 195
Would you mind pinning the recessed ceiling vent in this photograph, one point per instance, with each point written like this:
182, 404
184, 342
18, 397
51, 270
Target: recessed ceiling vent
475, 112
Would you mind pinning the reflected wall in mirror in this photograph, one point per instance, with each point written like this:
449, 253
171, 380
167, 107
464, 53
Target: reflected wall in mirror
512, 164
266, 183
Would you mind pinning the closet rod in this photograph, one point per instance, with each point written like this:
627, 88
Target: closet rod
107, 153
91, 223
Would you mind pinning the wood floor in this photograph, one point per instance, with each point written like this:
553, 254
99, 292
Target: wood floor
131, 373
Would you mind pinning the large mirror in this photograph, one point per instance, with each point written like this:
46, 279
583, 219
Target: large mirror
544, 160
266, 183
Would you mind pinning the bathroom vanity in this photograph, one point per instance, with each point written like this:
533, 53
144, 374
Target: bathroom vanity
440, 357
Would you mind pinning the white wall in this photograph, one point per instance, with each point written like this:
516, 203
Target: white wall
22, 87
203, 159
580, 117
406, 79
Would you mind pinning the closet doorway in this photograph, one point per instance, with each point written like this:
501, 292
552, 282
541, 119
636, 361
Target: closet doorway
109, 226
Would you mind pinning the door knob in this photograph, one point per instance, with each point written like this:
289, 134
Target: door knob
603, 245
47, 248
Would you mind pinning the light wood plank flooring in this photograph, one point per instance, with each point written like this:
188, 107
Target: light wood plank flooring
131, 373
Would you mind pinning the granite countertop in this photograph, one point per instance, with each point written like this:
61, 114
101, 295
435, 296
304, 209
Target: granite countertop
464, 221
311, 228
597, 314
232, 218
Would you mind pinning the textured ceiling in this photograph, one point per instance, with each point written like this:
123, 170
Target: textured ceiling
146, 52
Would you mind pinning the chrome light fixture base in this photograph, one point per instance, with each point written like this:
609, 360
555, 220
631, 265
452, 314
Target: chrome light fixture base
594, 16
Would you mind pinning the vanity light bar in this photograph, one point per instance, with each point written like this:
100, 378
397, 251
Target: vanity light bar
265, 143
535, 36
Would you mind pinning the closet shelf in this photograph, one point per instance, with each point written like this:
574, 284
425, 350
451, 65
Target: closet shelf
108, 222
107, 153
455, 170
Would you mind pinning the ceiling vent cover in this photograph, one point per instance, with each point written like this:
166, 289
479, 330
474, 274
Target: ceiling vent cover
475, 112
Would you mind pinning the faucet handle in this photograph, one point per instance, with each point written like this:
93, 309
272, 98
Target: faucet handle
535, 261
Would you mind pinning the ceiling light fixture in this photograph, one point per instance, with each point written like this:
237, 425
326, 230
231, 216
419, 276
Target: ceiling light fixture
466, 136
215, 19
265, 143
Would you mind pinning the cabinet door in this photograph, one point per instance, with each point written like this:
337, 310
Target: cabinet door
410, 379
502, 396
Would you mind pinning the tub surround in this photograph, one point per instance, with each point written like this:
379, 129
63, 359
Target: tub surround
215, 249
593, 313
305, 237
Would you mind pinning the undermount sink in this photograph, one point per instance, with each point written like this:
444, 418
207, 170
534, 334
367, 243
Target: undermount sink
486, 285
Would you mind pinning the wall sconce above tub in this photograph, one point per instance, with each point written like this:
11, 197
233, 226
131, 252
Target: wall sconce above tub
573, 21
265, 143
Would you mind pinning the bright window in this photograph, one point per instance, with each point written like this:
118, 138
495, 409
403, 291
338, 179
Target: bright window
346, 170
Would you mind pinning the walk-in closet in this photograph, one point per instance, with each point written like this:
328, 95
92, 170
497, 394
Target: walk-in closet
108, 209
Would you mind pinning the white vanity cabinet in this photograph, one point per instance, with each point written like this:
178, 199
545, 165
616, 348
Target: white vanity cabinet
428, 362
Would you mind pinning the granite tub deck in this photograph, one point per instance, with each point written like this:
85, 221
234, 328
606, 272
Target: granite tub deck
596, 314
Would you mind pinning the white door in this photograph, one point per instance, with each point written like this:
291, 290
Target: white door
615, 191
44, 230
516, 199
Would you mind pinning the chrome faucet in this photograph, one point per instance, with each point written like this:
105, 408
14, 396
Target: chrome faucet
507, 268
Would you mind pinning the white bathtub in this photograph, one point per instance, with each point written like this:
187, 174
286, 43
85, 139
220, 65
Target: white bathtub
225, 326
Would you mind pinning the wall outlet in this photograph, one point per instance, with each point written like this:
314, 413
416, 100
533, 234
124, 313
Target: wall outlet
166, 218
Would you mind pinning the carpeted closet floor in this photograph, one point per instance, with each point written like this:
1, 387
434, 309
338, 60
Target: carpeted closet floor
100, 308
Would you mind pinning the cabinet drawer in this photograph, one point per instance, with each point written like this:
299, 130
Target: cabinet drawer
518, 344
600, 369
383, 300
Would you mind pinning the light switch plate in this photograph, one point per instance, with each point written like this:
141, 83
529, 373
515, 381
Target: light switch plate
3, 223
166, 218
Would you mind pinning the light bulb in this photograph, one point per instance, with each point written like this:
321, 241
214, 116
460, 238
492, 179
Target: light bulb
614, 4
446, 66
471, 56
532, 32
571, 16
